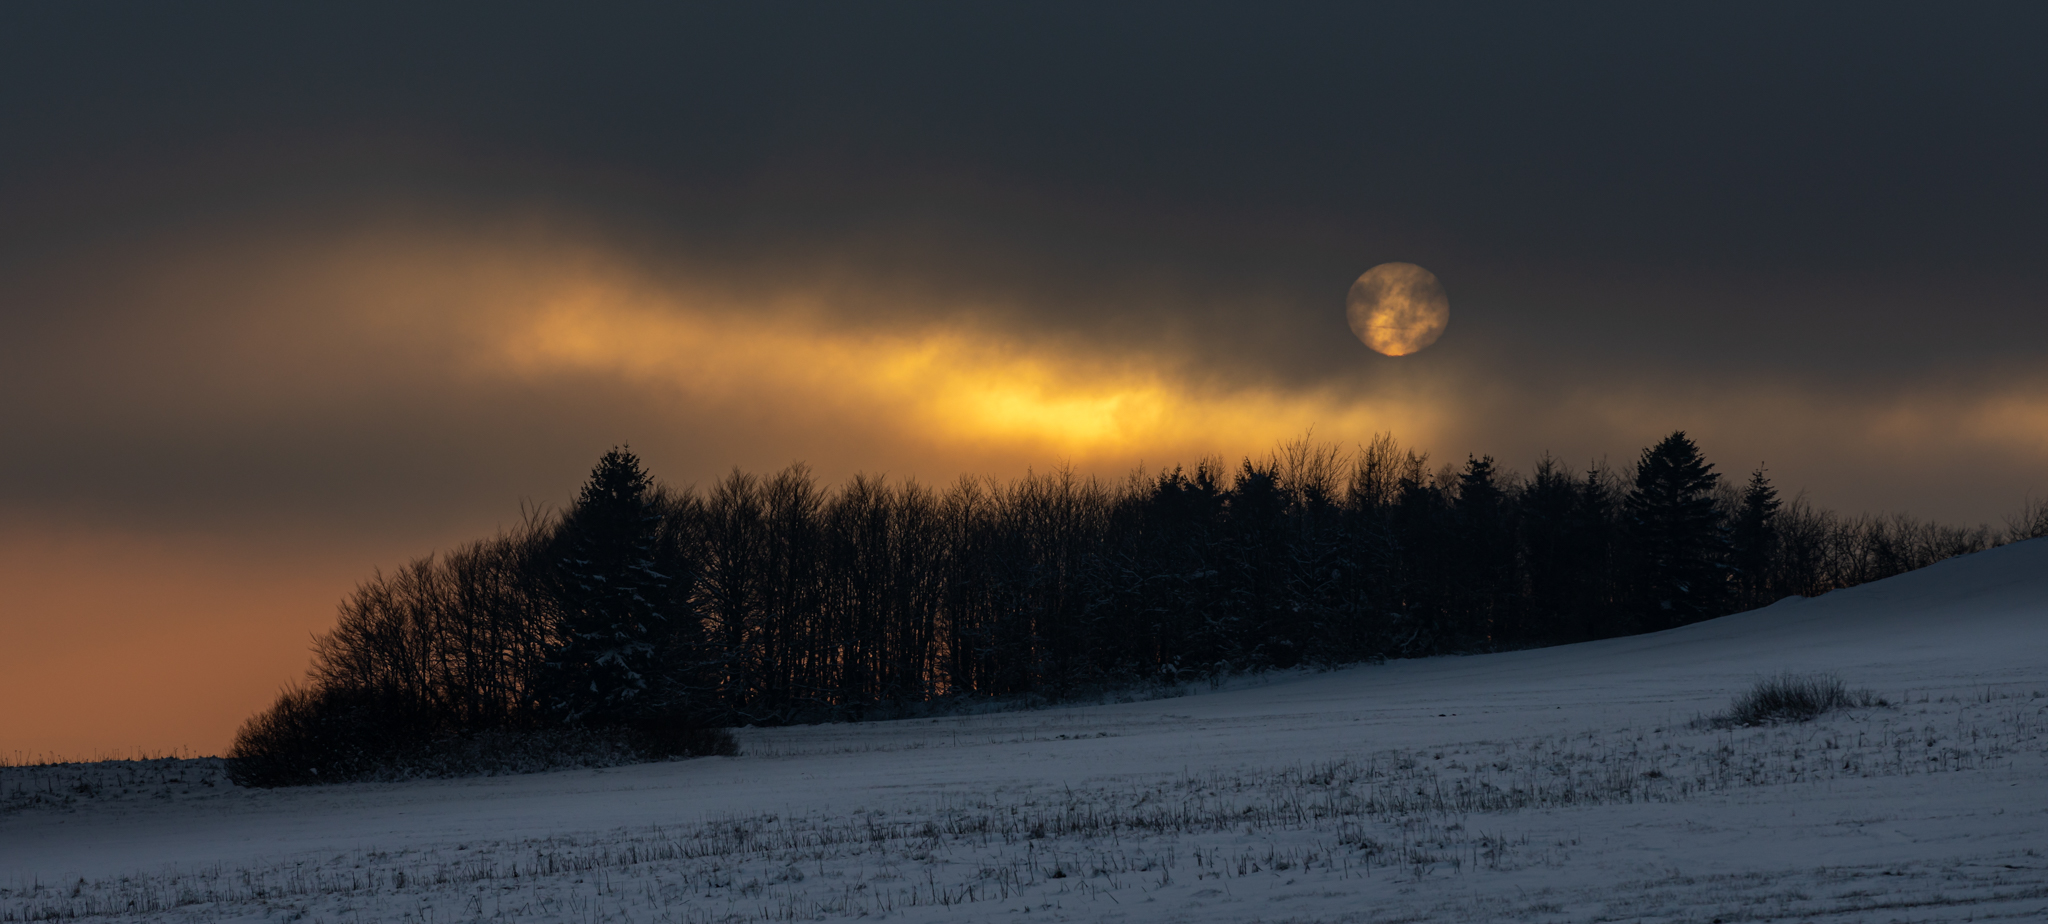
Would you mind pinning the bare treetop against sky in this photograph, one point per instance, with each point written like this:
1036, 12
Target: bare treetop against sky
289, 295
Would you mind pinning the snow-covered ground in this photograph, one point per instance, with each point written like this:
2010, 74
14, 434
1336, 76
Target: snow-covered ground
1559, 784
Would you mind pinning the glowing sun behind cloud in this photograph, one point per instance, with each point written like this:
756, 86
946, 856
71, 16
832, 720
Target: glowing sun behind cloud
940, 384
1397, 308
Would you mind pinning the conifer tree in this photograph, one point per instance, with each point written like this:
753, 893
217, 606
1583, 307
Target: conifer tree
1252, 563
1175, 585
1419, 577
1596, 531
1549, 557
1755, 540
615, 604
1484, 553
1679, 547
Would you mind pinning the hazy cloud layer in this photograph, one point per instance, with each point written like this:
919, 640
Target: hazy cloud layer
398, 373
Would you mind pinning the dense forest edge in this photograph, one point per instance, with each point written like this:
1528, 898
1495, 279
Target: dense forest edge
645, 620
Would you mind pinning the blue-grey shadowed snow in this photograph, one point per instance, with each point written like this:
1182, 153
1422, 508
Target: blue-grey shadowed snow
1538, 783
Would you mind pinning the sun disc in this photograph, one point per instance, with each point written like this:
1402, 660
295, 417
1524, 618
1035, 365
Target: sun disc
1397, 308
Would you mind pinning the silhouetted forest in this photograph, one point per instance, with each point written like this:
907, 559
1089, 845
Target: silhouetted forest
643, 619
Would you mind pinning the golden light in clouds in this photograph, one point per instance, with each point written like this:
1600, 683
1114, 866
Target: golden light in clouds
943, 385
1397, 308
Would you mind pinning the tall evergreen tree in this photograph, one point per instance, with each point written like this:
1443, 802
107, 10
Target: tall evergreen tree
1418, 580
1755, 541
1483, 549
1549, 557
1679, 548
1253, 564
617, 612
1597, 533
1171, 577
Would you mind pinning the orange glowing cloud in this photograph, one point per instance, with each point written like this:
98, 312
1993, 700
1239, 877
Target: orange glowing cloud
937, 384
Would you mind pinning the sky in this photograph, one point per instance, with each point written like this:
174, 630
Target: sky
288, 296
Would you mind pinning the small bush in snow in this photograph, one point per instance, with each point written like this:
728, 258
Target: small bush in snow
1791, 697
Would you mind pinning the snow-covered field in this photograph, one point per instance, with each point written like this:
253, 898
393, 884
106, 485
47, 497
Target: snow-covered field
1560, 784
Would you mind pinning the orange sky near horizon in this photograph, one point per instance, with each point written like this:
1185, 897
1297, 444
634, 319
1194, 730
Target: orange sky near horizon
149, 644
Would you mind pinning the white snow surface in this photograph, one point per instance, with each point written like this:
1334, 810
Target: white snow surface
1558, 784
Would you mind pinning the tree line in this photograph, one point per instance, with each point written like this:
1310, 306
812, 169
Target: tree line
643, 618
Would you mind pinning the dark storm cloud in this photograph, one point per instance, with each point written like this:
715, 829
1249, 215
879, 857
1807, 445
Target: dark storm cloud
1815, 139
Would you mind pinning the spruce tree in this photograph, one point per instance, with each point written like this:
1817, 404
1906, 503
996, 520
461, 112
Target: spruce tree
615, 605
1755, 540
1483, 556
1420, 580
1679, 547
1550, 560
1597, 530
1253, 563
1175, 579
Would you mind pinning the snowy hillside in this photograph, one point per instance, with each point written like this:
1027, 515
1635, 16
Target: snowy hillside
1557, 784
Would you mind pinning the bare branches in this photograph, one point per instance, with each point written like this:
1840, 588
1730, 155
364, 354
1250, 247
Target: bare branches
786, 601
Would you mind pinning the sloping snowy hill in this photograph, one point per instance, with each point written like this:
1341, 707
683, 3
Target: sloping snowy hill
1554, 784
